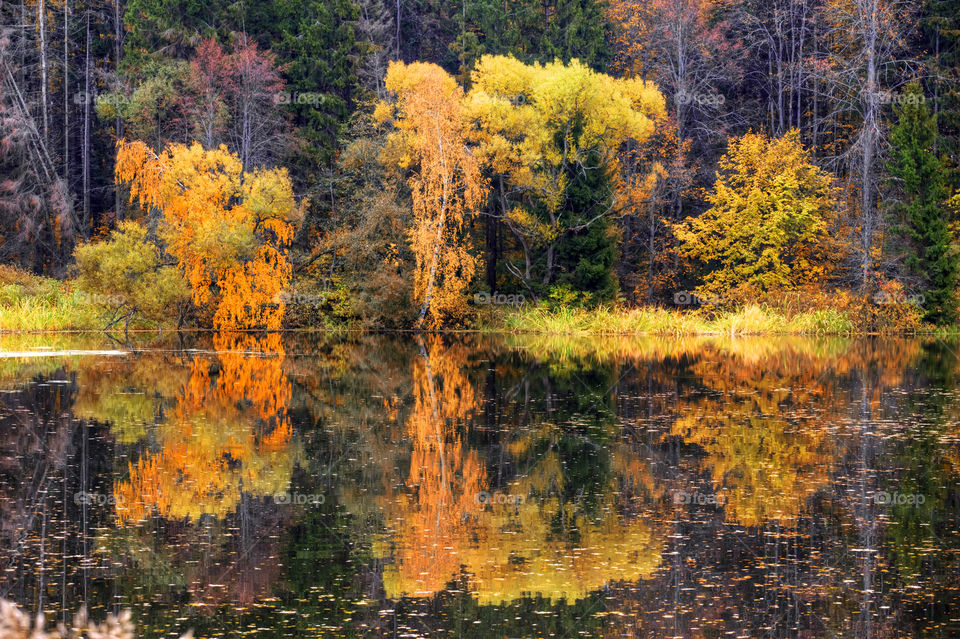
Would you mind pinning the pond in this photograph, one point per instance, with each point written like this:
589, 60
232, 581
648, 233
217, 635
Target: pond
484, 486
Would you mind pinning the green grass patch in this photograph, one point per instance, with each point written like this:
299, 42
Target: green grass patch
32, 303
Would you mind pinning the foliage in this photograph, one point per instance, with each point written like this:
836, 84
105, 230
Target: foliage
769, 220
172, 27
126, 272
553, 132
32, 303
226, 227
686, 48
587, 256
940, 26
219, 96
362, 252
317, 39
156, 110
597, 124
446, 184
918, 178
533, 31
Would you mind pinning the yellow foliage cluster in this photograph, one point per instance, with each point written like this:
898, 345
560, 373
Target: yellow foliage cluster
528, 123
769, 220
532, 123
525, 117
445, 181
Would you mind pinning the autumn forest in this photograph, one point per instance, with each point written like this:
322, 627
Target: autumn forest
479, 319
520, 164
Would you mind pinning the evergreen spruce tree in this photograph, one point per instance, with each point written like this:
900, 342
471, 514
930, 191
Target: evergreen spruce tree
578, 29
585, 258
917, 177
317, 40
941, 42
534, 31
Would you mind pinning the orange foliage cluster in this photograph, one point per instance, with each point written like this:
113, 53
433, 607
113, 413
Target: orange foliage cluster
227, 228
446, 475
446, 183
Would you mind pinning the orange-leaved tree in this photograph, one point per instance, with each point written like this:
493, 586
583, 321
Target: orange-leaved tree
227, 228
445, 181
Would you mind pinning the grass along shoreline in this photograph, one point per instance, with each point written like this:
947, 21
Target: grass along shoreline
750, 319
34, 304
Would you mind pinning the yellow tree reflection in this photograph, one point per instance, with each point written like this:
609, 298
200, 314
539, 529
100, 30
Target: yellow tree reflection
528, 540
444, 478
770, 423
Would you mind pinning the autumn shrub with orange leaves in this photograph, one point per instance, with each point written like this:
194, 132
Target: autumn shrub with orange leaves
227, 228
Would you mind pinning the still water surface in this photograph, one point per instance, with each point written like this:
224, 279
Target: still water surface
467, 486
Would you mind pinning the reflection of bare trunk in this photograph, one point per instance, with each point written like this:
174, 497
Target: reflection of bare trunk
437, 420
84, 490
862, 502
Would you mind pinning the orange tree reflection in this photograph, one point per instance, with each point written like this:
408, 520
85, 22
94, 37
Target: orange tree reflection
228, 433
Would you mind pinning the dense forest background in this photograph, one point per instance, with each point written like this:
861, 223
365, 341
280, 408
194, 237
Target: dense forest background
842, 116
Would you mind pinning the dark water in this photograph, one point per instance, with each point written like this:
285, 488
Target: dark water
486, 487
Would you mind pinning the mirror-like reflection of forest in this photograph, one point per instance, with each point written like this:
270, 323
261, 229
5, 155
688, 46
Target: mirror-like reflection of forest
473, 486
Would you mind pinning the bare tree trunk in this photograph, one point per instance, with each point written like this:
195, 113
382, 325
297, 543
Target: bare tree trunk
86, 136
66, 92
399, 8
650, 249
815, 124
118, 123
433, 269
42, 24
778, 23
548, 275
868, 141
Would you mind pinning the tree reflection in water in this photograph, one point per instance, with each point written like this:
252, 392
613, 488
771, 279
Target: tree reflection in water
515, 487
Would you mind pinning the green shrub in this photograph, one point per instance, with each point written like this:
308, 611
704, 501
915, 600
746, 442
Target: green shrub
125, 276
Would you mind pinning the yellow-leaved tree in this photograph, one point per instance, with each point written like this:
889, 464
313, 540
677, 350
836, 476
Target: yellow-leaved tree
768, 223
227, 228
551, 136
445, 181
